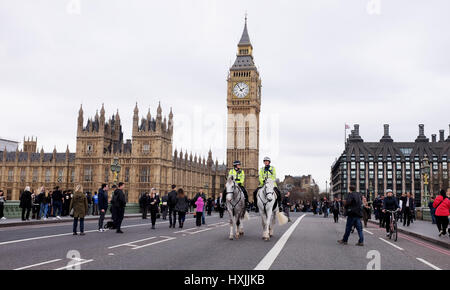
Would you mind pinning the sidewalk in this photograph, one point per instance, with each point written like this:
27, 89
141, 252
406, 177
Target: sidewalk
13, 222
423, 230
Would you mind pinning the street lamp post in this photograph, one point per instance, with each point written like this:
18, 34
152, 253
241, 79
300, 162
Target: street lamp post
115, 169
425, 168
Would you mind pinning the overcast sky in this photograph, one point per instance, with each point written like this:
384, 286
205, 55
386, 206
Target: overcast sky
322, 64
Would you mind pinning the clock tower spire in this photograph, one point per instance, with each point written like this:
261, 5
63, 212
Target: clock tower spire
244, 105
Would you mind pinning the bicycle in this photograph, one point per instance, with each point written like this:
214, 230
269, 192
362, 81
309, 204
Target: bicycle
393, 225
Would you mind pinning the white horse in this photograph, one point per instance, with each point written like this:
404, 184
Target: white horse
268, 208
235, 201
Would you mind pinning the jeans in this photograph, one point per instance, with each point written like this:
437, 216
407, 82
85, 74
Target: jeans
101, 219
433, 216
57, 208
75, 225
353, 221
173, 213
181, 217
336, 216
44, 210
95, 209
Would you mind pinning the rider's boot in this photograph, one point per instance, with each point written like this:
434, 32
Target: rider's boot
280, 208
255, 201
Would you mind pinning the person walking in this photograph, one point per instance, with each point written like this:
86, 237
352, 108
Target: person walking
153, 203
102, 205
353, 206
95, 204
164, 206
203, 196
209, 206
25, 203
80, 208
442, 206
36, 206
286, 205
181, 206
2, 205
365, 211
171, 202
315, 205
118, 203
336, 207
220, 205
407, 209
325, 207
143, 203
200, 203
44, 199
432, 210
57, 202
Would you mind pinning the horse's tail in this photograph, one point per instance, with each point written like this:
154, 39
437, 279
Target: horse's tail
282, 219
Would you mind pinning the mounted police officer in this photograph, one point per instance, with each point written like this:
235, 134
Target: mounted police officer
239, 177
267, 171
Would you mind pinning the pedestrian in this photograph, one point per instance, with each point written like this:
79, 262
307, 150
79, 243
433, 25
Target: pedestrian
44, 199
102, 205
286, 205
2, 204
407, 208
143, 204
314, 206
25, 203
95, 204
200, 203
353, 207
89, 200
112, 209
164, 206
365, 211
57, 202
171, 201
336, 207
209, 206
153, 203
325, 207
36, 206
220, 205
389, 203
432, 210
118, 204
79, 206
203, 196
442, 206
181, 206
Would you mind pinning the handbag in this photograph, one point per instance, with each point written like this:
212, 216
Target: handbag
71, 212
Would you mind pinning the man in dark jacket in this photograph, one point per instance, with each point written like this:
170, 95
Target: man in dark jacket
353, 207
220, 203
143, 203
286, 205
118, 205
57, 197
25, 203
164, 206
102, 205
171, 202
407, 208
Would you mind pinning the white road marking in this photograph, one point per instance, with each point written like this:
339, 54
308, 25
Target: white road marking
154, 243
367, 231
38, 264
208, 227
429, 264
395, 246
76, 264
131, 244
268, 260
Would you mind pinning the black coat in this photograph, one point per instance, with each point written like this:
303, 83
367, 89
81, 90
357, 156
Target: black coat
102, 199
25, 200
182, 204
172, 199
353, 204
153, 207
57, 196
118, 200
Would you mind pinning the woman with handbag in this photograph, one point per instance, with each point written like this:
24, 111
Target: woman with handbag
153, 203
181, 206
442, 206
78, 209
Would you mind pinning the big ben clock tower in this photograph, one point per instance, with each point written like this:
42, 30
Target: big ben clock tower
244, 104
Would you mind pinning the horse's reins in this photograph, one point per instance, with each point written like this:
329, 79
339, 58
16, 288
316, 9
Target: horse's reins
267, 201
240, 197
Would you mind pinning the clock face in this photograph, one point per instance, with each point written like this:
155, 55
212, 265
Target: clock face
241, 90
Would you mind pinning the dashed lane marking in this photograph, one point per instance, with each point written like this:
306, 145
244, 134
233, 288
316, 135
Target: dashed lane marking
429, 264
38, 264
395, 246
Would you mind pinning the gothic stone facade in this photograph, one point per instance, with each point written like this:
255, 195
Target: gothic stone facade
374, 167
146, 160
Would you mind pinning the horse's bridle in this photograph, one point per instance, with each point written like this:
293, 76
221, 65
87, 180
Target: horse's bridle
265, 194
240, 196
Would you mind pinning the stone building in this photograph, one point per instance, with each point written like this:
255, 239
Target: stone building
146, 160
374, 167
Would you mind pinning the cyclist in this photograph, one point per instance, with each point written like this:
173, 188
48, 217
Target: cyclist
389, 203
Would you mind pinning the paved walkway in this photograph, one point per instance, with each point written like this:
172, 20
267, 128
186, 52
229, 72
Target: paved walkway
424, 230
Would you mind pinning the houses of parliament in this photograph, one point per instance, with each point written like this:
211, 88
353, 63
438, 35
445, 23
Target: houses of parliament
147, 160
